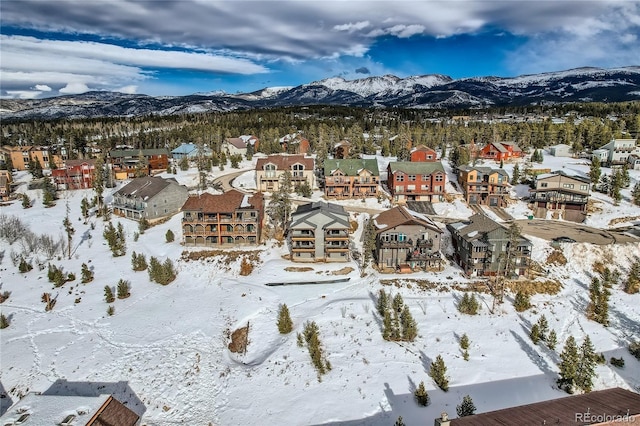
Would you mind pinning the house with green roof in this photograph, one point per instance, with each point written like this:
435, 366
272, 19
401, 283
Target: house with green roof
416, 181
351, 178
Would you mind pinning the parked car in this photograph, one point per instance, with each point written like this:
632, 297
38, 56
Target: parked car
563, 240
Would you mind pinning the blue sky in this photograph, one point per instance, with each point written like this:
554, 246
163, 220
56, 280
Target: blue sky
179, 47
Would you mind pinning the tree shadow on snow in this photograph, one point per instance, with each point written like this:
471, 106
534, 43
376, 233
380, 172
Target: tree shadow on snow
119, 390
533, 354
5, 400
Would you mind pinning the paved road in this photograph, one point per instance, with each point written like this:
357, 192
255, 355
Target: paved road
224, 181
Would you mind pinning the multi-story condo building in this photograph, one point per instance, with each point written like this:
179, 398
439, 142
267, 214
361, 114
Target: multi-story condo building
351, 178
563, 194
20, 156
500, 151
405, 237
269, 171
74, 174
150, 198
319, 232
481, 246
423, 153
484, 185
130, 163
616, 152
224, 220
416, 181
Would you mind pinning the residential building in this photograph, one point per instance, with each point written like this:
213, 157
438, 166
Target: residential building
319, 232
190, 151
616, 151
129, 163
423, 153
416, 181
150, 198
633, 162
563, 194
560, 150
239, 145
351, 178
484, 185
74, 174
501, 151
405, 237
342, 149
295, 143
20, 156
5, 184
225, 220
65, 410
269, 171
615, 406
480, 246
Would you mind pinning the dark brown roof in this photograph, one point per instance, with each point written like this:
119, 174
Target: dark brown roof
284, 162
113, 412
237, 142
562, 411
228, 202
398, 216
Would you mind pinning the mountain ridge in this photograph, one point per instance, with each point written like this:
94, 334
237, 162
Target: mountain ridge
586, 84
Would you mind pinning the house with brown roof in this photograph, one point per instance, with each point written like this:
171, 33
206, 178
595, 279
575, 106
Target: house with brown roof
615, 406
563, 194
423, 153
64, 410
224, 220
416, 181
239, 145
74, 174
130, 163
150, 198
484, 185
351, 178
501, 151
269, 171
405, 237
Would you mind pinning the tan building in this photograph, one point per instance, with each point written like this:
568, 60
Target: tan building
484, 185
269, 171
351, 178
19, 156
564, 194
5, 184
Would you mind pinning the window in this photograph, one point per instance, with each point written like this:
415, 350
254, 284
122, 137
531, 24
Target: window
543, 184
439, 178
425, 177
270, 170
429, 157
567, 185
298, 170
400, 177
411, 187
584, 187
424, 187
412, 177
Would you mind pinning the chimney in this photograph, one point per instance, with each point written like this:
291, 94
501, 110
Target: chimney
443, 420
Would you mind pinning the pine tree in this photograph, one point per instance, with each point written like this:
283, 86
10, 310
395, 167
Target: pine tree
24, 266
598, 308
464, 341
26, 201
502, 164
586, 367
369, 244
86, 273
535, 334
285, 325
138, 262
521, 302
552, 340
569, 364
466, 408
635, 194
595, 171
408, 324
544, 327
397, 303
383, 302
169, 237
69, 230
108, 294
279, 208
421, 395
399, 422
123, 289
98, 181
515, 177
84, 207
469, 304
4, 322
438, 372
111, 310
632, 283
387, 326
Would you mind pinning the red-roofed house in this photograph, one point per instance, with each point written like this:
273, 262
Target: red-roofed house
501, 151
269, 171
225, 220
75, 174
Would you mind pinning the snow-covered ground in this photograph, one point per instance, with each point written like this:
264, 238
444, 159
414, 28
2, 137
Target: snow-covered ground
170, 342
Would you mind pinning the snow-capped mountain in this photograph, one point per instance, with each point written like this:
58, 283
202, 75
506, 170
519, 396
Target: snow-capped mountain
425, 91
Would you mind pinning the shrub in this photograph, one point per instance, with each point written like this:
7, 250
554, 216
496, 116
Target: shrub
464, 341
108, 294
48, 301
617, 362
285, 325
26, 201
246, 267
123, 289
4, 296
86, 273
421, 395
521, 302
111, 310
169, 236
143, 225
4, 322
24, 266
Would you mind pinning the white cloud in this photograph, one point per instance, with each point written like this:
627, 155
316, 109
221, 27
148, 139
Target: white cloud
130, 89
74, 88
405, 31
350, 27
43, 88
24, 94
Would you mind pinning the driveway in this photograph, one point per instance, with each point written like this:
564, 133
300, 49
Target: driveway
550, 229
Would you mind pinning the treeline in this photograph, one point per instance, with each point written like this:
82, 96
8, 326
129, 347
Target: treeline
587, 126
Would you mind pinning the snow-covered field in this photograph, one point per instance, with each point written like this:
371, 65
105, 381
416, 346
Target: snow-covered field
169, 343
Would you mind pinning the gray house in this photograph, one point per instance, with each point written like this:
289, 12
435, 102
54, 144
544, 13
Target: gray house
319, 232
480, 246
560, 150
150, 198
406, 240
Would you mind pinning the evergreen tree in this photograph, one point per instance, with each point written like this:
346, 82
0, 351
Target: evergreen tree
544, 327
632, 283
464, 341
421, 395
408, 324
515, 177
98, 181
438, 372
595, 171
123, 289
26, 201
586, 367
24, 266
466, 408
502, 164
397, 303
569, 363
4, 322
469, 304
138, 262
279, 208
35, 168
399, 422
535, 334
635, 194
108, 294
369, 244
86, 273
69, 230
84, 207
598, 308
48, 193
184, 164
383, 302
285, 325
387, 326
521, 302
169, 237
143, 225
552, 340
616, 186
